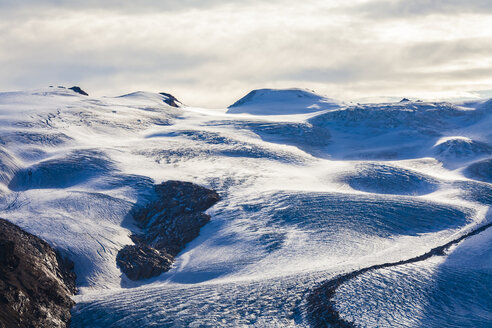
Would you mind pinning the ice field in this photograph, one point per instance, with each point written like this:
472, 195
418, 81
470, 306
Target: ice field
310, 188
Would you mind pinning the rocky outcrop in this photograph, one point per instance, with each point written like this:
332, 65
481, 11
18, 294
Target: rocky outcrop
36, 282
78, 90
169, 221
170, 99
141, 261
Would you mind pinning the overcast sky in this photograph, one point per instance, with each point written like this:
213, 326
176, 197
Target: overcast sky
211, 52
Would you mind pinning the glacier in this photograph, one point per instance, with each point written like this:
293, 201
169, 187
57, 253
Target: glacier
311, 188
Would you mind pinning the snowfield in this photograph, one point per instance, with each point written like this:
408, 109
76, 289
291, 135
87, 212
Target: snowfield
310, 188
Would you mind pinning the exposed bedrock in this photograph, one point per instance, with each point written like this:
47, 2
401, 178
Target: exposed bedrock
78, 90
168, 222
170, 99
141, 261
36, 282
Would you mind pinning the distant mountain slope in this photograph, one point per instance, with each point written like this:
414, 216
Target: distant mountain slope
146, 96
281, 102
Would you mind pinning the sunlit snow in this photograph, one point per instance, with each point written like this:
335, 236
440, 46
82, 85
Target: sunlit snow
310, 187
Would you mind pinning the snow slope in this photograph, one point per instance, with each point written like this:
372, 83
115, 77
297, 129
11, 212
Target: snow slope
310, 188
282, 102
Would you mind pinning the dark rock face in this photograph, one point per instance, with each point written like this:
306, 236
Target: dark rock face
35, 281
141, 261
78, 90
170, 99
169, 222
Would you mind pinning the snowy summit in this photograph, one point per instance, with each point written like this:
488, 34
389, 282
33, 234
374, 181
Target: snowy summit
282, 102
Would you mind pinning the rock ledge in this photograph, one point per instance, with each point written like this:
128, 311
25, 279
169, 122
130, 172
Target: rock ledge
36, 282
168, 222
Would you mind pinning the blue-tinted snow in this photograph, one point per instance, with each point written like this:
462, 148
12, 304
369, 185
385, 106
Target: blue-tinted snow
310, 188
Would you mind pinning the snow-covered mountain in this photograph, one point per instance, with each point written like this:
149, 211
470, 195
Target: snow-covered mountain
310, 188
282, 102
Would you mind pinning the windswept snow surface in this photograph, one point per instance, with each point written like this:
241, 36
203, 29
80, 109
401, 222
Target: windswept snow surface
328, 189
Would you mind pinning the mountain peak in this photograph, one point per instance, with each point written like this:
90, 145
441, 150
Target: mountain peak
167, 98
281, 102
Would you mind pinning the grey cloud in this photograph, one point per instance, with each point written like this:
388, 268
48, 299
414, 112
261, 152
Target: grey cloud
34, 76
332, 75
438, 52
54, 66
381, 9
416, 63
127, 7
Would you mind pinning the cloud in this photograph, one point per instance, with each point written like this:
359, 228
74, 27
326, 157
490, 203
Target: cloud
397, 9
114, 5
210, 53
